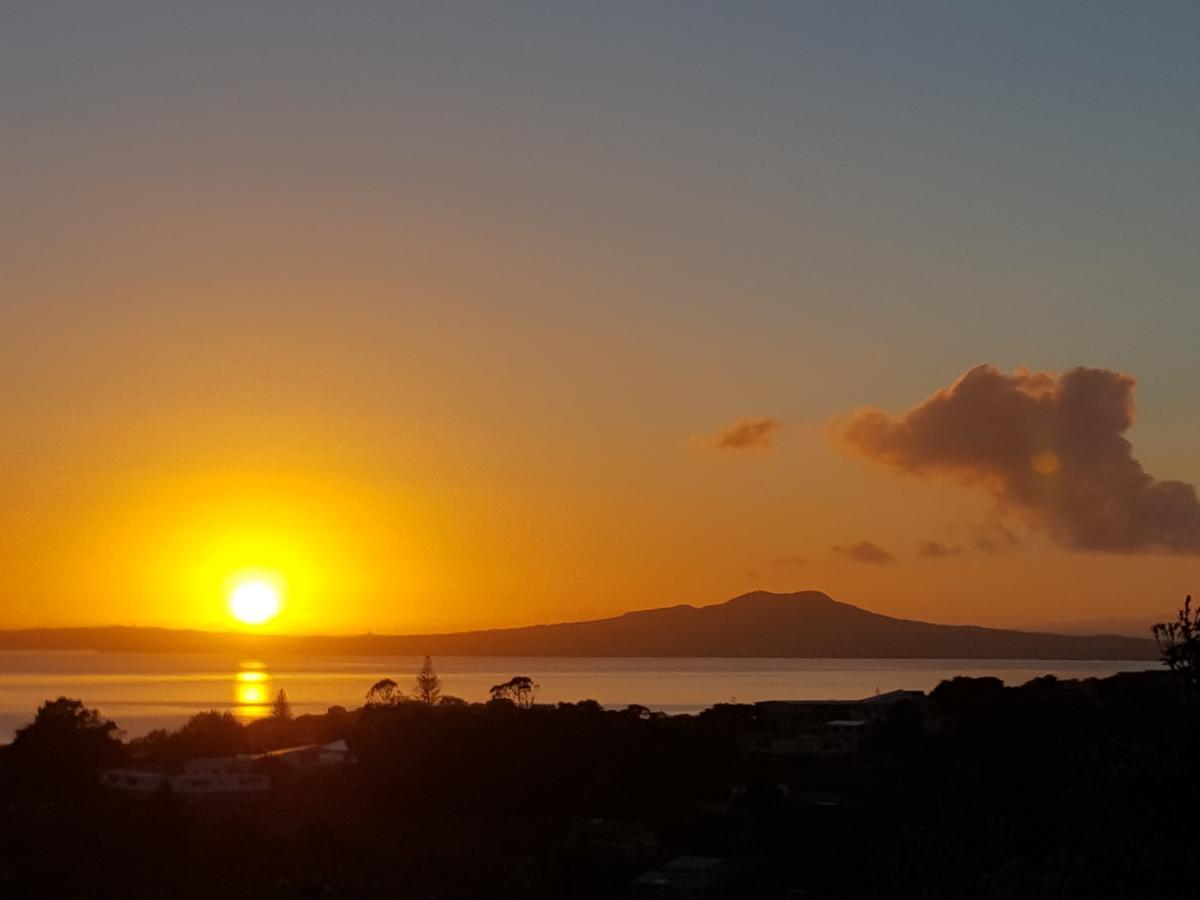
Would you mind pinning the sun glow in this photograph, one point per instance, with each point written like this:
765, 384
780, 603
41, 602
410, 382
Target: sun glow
203, 536
254, 601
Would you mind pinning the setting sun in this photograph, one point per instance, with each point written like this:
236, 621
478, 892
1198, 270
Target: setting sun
254, 602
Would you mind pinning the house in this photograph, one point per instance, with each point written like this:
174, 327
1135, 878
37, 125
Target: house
228, 774
219, 775
684, 877
310, 757
612, 839
839, 736
829, 727
137, 780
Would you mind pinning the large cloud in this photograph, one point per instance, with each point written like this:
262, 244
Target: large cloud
1047, 444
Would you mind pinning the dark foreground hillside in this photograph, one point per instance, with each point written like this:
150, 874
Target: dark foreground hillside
1053, 789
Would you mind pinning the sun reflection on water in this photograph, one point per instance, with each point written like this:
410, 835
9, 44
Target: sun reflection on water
251, 697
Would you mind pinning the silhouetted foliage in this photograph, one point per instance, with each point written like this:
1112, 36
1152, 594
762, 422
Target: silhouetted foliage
963, 694
429, 686
62, 749
281, 709
1179, 644
1057, 788
384, 692
519, 690
214, 733
207, 734
637, 711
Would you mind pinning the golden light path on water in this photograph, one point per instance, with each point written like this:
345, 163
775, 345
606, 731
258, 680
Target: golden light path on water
252, 699
144, 692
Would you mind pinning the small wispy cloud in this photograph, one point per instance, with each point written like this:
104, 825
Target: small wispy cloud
995, 538
936, 550
747, 434
785, 561
865, 552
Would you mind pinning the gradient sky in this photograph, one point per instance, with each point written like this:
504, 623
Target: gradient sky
439, 310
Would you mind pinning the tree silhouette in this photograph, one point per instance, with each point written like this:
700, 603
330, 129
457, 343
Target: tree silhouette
1179, 644
212, 733
61, 750
429, 686
384, 692
519, 690
281, 709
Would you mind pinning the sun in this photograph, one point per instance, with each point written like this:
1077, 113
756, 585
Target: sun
254, 602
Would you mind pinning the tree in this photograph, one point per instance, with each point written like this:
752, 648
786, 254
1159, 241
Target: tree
519, 691
1179, 644
209, 734
64, 717
281, 710
64, 746
384, 692
429, 686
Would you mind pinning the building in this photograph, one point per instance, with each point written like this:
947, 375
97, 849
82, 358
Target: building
312, 756
612, 839
684, 877
841, 736
219, 775
136, 780
832, 727
227, 774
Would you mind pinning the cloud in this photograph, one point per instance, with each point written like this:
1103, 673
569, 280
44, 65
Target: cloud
995, 538
936, 550
1047, 444
865, 552
747, 434
789, 561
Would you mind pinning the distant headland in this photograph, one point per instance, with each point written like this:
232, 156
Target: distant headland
805, 624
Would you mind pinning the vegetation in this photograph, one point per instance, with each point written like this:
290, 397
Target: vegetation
384, 692
281, 709
519, 691
1179, 644
1055, 788
429, 686
62, 749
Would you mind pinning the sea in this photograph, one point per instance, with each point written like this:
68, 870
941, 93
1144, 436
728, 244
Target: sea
145, 691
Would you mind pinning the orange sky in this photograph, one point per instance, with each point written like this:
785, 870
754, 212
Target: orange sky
439, 319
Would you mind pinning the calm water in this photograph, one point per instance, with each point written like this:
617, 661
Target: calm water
145, 691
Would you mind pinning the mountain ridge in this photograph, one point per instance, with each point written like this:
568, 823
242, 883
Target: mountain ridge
803, 624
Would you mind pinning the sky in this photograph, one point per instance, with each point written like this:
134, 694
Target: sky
459, 315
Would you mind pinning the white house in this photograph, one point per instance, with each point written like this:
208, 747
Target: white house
228, 774
219, 775
312, 756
